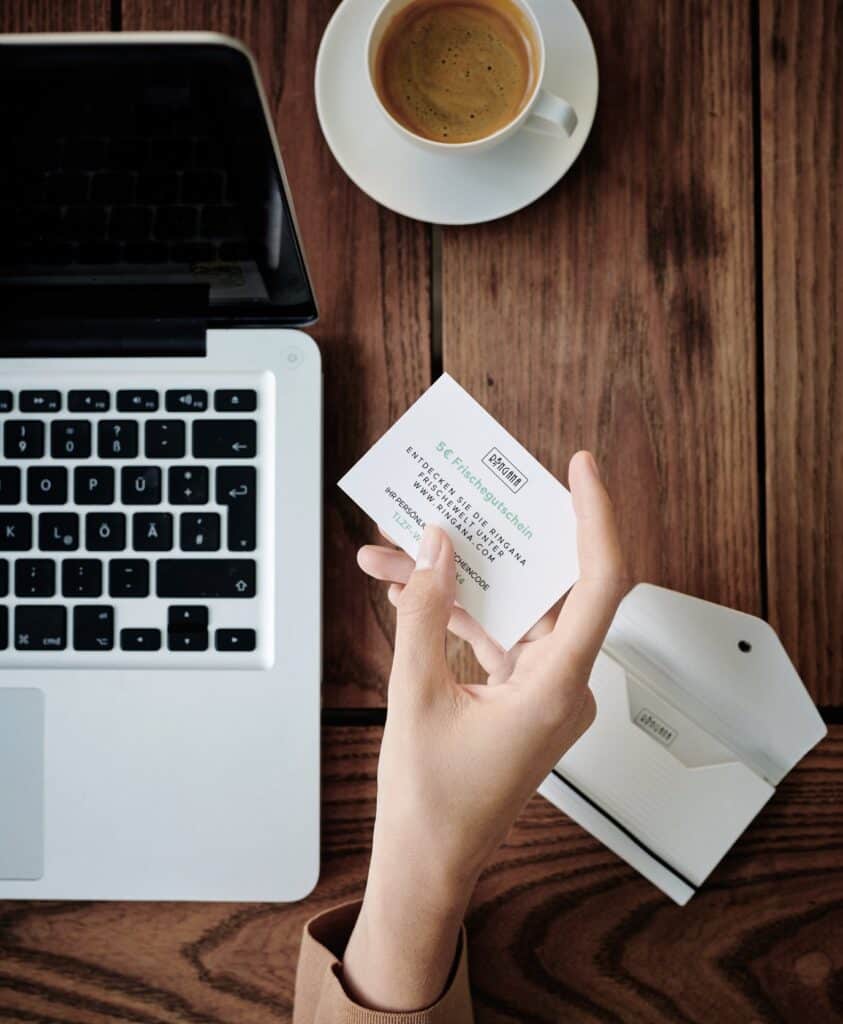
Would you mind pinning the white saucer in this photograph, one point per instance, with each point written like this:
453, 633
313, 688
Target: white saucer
449, 189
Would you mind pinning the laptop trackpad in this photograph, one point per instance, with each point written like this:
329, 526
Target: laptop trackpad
21, 783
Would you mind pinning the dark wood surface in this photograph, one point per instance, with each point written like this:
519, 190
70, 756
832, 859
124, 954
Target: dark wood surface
673, 304
802, 204
617, 313
560, 930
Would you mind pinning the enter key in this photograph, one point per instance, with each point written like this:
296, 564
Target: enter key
237, 488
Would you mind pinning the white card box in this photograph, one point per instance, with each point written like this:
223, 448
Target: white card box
700, 714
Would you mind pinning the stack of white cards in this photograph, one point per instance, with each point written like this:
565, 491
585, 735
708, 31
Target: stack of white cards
700, 711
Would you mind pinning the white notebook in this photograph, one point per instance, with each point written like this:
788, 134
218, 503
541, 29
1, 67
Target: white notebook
700, 715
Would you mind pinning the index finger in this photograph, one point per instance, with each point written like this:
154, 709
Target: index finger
593, 600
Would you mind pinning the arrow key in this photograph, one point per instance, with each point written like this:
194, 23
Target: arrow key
236, 639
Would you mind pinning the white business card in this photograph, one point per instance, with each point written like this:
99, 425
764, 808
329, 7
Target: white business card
447, 461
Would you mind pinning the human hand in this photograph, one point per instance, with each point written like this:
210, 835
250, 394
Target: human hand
458, 762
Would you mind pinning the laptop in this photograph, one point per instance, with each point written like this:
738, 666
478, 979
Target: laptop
160, 480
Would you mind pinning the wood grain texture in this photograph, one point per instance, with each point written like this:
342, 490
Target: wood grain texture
801, 61
371, 271
560, 930
617, 313
55, 15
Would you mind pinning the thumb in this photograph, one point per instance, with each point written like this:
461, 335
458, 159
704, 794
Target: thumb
424, 609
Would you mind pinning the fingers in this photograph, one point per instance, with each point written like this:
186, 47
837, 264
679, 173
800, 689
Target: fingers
592, 602
424, 608
387, 564
393, 566
490, 656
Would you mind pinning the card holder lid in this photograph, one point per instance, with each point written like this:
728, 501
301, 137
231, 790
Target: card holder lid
726, 670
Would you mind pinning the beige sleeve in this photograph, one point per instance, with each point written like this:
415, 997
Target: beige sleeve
321, 999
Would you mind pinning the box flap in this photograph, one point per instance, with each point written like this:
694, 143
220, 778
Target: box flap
726, 670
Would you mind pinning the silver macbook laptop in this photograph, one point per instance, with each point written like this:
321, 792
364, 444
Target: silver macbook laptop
160, 480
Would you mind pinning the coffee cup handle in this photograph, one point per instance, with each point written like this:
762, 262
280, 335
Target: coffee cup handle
551, 115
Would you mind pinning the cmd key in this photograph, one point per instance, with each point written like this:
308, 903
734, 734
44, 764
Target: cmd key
40, 627
224, 439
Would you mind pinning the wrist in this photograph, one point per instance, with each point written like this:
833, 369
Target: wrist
402, 949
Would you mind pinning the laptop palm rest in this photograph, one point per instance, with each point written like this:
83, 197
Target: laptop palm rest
21, 783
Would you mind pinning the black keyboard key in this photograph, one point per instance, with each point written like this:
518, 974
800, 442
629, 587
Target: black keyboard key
58, 531
88, 401
243, 400
199, 531
117, 439
105, 531
81, 577
23, 439
221, 222
152, 531
4, 577
40, 627
187, 618
127, 152
137, 401
46, 485
237, 488
10, 485
187, 628
84, 223
236, 639
140, 639
202, 186
141, 485
206, 577
131, 223
15, 531
224, 439
177, 641
4, 628
93, 627
70, 439
93, 485
113, 187
165, 439
128, 577
186, 401
35, 577
84, 153
40, 401
6, 401
151, 253
173, 223
188, 485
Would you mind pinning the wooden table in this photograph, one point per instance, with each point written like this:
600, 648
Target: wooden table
674, 305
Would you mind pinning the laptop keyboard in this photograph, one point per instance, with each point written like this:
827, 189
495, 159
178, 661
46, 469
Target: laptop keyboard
129, 524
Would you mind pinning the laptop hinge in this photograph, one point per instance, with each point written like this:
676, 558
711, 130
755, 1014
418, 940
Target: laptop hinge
132, 322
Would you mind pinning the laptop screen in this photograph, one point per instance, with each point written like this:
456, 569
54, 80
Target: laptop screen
145, 164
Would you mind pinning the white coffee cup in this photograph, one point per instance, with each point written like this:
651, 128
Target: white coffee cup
543, 111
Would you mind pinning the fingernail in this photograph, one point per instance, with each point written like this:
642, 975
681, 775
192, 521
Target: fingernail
428, 551
595, 469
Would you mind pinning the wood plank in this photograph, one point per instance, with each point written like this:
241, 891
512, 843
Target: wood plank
560, 929
617, 313
52, 16
801, 57
372, 279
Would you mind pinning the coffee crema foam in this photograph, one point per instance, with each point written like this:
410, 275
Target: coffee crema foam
456, 72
